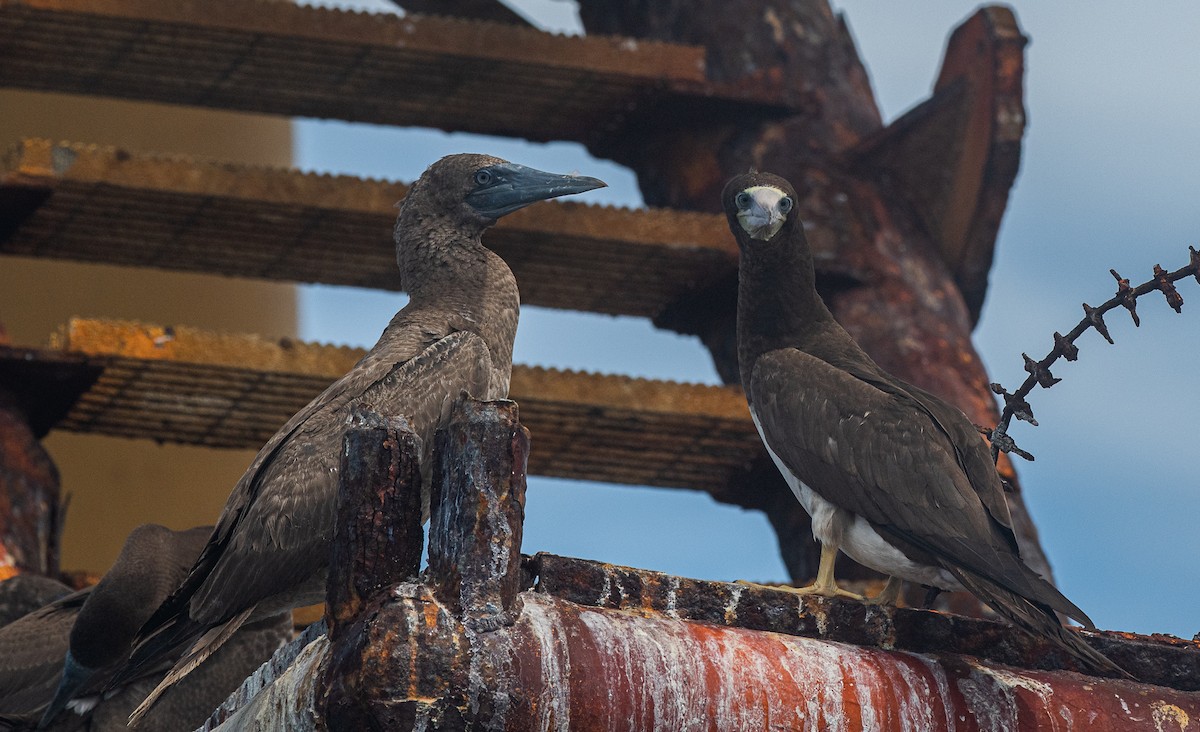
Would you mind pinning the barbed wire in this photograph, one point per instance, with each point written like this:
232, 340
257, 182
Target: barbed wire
1016, 404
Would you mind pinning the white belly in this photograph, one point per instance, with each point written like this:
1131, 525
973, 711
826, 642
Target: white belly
853, 534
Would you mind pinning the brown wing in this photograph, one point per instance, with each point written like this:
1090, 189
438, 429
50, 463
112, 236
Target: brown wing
32, 649
292, 511
879, 453
274, 532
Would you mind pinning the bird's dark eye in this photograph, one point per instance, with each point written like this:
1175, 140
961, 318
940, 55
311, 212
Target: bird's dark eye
483, 177
742, 201
785, 205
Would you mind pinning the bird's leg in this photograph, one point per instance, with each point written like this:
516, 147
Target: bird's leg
825, 585
890, 592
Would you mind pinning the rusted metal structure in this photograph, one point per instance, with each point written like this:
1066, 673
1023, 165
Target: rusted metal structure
903, 219
486, 639
687, 93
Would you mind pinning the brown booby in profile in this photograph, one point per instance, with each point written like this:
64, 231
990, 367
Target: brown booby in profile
270, 549
65, 653
893, 476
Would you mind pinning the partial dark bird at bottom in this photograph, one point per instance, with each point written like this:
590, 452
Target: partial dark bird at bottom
89, 634
25, 593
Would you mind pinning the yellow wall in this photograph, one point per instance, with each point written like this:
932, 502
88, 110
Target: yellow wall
117, 484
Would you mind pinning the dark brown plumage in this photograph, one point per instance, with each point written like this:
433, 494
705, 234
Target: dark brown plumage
25, 593
892, 475
90, 634
270, 549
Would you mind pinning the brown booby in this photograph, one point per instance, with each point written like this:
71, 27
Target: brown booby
64, 653
270, 549
892, 475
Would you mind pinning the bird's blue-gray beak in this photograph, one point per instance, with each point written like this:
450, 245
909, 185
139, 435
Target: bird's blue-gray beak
504, 188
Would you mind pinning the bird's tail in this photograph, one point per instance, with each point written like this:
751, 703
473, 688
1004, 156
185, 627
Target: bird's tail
18, 722
1035, 617
207, 644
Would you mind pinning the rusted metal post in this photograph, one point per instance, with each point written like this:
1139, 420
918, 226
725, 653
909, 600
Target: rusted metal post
29, 507
33, 397
401, 662
379, 538
478, 506
28, 497
377, 545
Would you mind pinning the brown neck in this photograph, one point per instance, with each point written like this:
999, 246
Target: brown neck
778, 306
451, 273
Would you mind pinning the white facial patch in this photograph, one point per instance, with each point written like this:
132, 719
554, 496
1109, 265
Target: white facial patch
762, 211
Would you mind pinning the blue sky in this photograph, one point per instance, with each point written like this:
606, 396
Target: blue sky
1109, 178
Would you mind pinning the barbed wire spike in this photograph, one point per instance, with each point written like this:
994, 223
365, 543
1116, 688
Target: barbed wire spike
1195, 263
1095, 316
1016, 404
1164, 284
1069, 350
1040, 372
1126, 296
1001, 440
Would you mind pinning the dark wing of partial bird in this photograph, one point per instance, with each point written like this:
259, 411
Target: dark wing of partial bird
875, 450
32, 649
26, 593
277, 525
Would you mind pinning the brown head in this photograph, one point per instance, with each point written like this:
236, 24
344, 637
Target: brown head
152, 563
759, 208
778, 304
447, 210
473, 191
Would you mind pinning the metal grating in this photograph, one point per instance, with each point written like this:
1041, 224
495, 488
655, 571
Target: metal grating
281, 58
101, 204
234, 391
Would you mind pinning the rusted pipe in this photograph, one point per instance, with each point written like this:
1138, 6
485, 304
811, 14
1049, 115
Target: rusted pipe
563, 666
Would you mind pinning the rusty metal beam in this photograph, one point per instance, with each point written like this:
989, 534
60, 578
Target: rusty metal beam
597, 647
106, 205
955, 156
282, 58
191, 386
378, 541
490, 10
1161, 660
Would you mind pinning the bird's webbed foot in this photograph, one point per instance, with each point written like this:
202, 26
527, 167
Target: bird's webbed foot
816, 588
889, 594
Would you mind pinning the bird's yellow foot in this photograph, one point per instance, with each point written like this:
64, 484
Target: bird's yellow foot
816, 588
889, 594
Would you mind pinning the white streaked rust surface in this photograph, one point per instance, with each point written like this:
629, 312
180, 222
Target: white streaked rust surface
644, 671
